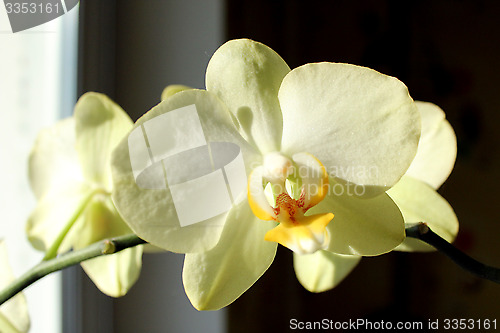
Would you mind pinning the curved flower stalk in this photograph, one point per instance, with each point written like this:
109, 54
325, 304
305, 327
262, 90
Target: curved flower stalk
321, 144
416, 196
14, 316
70, 175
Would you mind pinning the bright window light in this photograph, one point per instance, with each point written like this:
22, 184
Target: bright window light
37, 87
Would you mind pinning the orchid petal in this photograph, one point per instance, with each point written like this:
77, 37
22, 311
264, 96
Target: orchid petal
57, 181
185, 123
362, 125
14, 317
246, 76
99, 221
53, 161
257, 197
419, 202
437, 149
172, 90
365, 227
313, 176
323, 270
52, 213
113, 274
216, 278
100, 125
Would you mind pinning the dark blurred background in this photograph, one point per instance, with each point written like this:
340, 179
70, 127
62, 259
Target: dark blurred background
445, 51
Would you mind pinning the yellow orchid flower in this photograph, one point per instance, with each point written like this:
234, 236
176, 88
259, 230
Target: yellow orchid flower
69, 173
320, 145
14, 316
416, 196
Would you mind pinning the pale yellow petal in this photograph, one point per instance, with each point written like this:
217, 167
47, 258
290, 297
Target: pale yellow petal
53, 212
313, 176
419, 202
53, 161
100, 125
323, 270
152, 176
257, 197
246, 76
99, 221
362, 125
437, 148
115, 274
215, 278
365, 227
172, 90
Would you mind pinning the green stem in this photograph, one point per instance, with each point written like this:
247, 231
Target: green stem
109, 246
104, 247
52, 251
424, 233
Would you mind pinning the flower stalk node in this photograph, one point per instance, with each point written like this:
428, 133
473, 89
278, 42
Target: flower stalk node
108, 247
